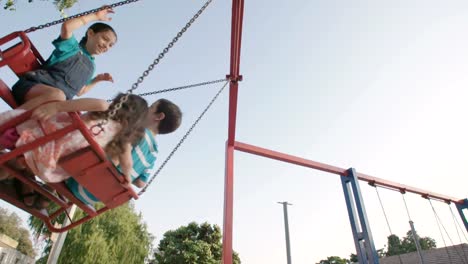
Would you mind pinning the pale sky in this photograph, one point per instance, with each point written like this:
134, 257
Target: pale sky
375, 85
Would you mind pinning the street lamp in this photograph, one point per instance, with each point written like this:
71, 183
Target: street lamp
286, 229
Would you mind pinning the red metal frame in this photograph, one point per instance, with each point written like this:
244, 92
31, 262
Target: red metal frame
236, 36
83, 165
340, 171
22, 50
22, 56
232, 144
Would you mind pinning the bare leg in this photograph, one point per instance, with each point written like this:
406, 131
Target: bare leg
40, 94
43, 202
28, 194
4, 175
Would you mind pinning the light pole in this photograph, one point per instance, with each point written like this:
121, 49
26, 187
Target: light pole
286, 230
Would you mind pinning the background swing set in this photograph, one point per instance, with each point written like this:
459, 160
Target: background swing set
360, 226
94, 158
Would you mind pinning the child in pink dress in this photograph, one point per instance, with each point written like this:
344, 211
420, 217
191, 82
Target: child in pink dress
116, 137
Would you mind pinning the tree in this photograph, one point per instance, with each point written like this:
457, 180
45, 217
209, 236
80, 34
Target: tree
397, 246
409, 245
10, 225
353, 258
394, 246
191, 244
117, 236
60, 4
334, 260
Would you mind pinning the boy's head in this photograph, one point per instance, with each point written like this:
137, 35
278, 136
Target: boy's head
164, 117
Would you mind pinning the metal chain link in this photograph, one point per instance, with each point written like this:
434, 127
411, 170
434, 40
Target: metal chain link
183, 87
179, 88
140, 79
53, 23
161, 55
169, 46
182, 140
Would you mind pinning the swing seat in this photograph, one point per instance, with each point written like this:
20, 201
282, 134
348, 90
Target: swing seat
100, 176
5, 94
22, 56
88, 166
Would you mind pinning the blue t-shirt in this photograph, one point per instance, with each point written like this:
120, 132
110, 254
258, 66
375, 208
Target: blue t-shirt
143, 157
66, 48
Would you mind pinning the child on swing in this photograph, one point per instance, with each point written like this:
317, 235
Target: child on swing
69, 70
116, 138
163, 117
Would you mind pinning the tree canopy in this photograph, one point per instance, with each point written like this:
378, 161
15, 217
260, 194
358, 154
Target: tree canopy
333, 260
192, 244
397, 246
117, 236
10, 225
60, 4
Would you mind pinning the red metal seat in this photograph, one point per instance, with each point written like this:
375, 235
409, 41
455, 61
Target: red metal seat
5, 94
89, 166
20, 57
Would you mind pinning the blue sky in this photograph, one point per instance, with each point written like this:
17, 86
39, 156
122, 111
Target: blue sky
375, 85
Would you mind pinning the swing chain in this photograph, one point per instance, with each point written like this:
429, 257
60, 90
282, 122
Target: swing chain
112, 111
183, 139
179, 88
140, 79
183, 87
32, 29
169, 46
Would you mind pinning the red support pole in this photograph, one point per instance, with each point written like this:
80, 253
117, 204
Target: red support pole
233, 91
236, 36
228, 205
340, 171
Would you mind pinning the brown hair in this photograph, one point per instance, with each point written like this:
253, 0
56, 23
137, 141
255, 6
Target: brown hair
172, 116
96, 28
131, 116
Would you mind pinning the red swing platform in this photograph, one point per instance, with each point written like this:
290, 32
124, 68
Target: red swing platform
89, 166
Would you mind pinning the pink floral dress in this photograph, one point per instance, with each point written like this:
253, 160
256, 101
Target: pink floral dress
43, 160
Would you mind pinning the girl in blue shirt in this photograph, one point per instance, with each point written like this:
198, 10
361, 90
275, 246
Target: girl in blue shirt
69, 70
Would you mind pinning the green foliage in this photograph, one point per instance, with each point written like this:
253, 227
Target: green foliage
117, 236
394, 246
9, 5
10, 225
192, 244
397, 246
64, 4
334, 260
60, 4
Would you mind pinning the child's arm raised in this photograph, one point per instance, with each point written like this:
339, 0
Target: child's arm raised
71, 25
46, 111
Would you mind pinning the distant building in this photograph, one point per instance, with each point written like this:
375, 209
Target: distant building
9, 254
